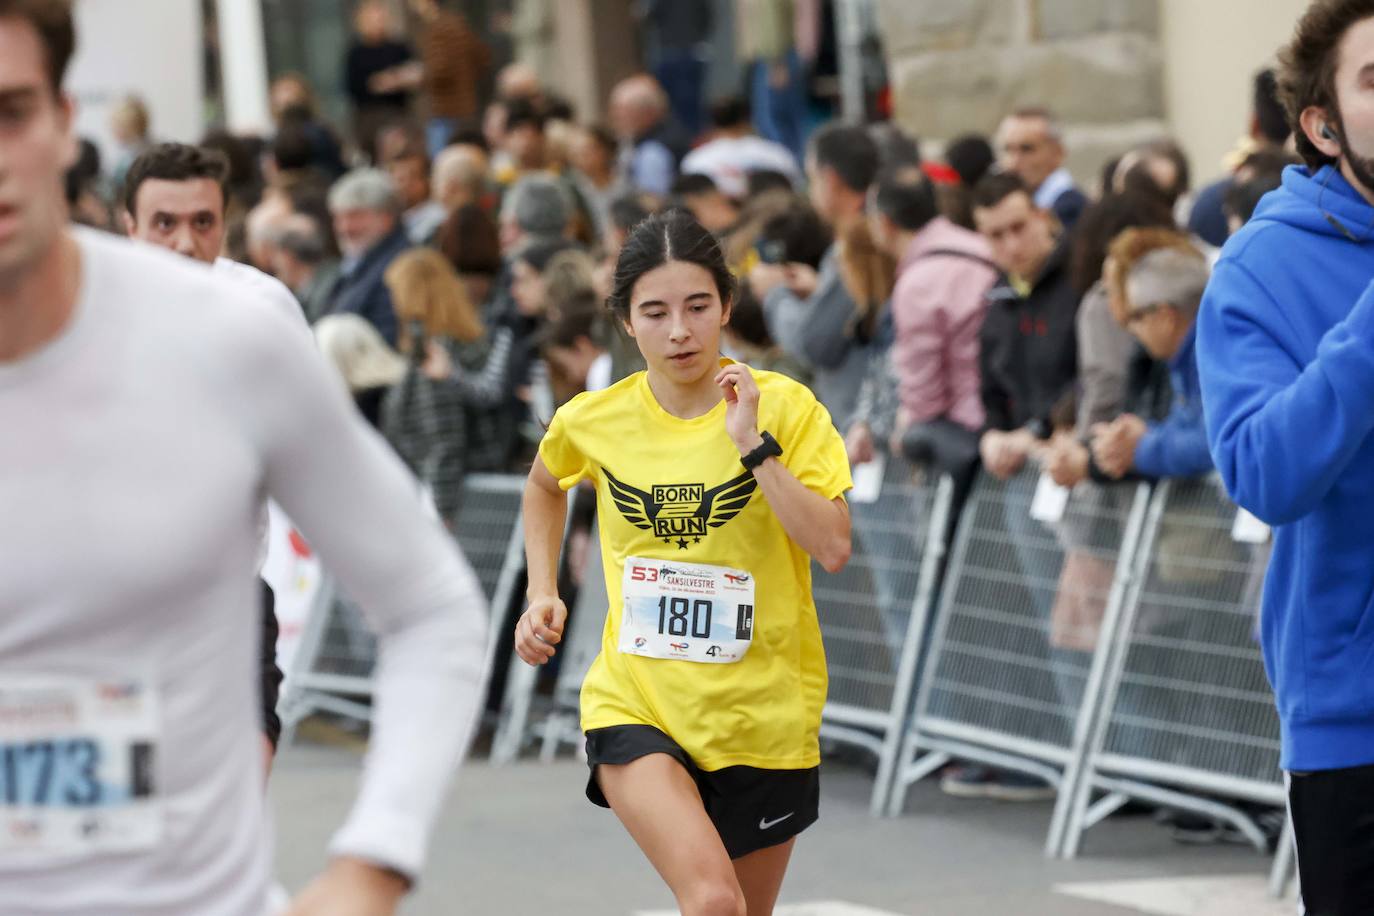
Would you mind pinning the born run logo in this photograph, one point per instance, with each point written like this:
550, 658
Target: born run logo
678, 511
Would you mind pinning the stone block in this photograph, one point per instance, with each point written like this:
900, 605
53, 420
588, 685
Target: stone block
1103, 79
1099, 79
910, 27
1056, 19
944, 94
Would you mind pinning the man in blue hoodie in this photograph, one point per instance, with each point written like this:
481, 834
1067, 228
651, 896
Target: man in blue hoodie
1286, 353
1163, 290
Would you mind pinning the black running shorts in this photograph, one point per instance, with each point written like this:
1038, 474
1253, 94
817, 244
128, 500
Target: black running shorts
751, 808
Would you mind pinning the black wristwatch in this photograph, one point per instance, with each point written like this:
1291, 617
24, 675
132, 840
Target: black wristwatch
769, 449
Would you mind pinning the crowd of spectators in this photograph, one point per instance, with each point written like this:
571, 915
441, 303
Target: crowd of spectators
975, 308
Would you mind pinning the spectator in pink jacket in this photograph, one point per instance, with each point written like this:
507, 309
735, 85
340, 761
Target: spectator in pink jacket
944, 273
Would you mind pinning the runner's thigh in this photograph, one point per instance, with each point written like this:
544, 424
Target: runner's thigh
659, 804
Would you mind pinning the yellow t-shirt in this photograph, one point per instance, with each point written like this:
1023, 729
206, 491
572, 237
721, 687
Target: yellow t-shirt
764, 710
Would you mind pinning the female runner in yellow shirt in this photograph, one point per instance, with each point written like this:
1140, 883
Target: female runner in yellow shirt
716, 485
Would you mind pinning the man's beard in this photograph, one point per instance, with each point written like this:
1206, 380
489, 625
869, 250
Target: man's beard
1361, 167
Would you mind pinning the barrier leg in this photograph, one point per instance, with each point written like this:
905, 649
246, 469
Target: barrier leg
515, 712
912, 773
1285, 863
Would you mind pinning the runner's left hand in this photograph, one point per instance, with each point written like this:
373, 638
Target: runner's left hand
351, 887
741, 406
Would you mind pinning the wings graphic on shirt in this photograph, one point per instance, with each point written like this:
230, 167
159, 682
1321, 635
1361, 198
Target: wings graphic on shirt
722, 503
716, 507
637, 506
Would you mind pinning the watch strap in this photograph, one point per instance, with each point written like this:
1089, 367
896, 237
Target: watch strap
769, 448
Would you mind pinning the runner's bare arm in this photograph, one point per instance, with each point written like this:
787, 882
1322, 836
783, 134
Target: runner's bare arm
544, 508
819, 525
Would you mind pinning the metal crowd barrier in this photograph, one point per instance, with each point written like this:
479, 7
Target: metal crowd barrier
332, 669
873, 613
1018, 652
1187, 715
513, 725
586, 623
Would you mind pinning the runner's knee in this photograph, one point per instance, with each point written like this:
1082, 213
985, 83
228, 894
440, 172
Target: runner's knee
713, 897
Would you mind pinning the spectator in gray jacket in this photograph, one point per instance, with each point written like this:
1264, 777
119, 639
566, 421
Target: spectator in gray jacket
809, 312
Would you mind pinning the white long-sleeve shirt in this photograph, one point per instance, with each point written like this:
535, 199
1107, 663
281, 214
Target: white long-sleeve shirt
272, 292
135, 450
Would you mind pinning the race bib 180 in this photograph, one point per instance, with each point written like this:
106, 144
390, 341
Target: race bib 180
686, 611
77, 766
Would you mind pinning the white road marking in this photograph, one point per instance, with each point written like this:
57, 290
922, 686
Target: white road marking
1211, 895
823, 908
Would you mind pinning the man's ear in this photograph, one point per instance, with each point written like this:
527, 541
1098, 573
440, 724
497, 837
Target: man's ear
726, 306
1320, 129
130, 225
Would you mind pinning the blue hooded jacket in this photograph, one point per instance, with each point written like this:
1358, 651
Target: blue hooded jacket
1286, 358
1177, 445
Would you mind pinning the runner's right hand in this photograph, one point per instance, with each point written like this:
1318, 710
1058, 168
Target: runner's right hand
540, 630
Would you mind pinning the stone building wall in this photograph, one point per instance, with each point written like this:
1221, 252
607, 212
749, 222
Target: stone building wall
958, 66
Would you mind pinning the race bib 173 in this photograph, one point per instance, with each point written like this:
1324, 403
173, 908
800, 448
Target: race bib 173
77, 766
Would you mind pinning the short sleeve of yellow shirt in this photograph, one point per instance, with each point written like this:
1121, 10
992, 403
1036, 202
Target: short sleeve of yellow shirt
558, 452
764, 710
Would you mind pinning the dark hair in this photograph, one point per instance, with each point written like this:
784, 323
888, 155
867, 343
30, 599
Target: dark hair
471, 241
672, 235
895, 146
764, 180
175, 162
557, 108
1266, 161
747, 320
1307, 67
1104, 221
84, 172
1107, 176
905, 196
469, 133
1242, 197
971, 156
604, 137
626, 212
52, 20
1269, 114
523, 113
1141, 180
997, 187
799, 234
311, 199
849, 151
292, 148
578, 318
730, 111
539, 254
692, 185
243, 154
1169, 149
306, 247
87, 164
